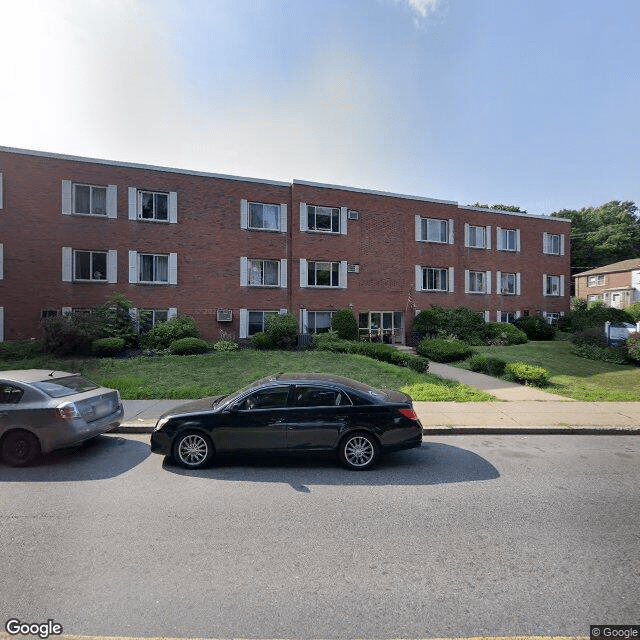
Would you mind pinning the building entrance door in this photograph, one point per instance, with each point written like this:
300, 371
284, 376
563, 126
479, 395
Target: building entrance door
382, 326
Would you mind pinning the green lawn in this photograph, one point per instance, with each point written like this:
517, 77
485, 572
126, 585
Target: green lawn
220, 373
571, 376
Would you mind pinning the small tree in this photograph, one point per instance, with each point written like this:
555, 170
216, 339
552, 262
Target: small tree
282, 330
344, 323
163, 334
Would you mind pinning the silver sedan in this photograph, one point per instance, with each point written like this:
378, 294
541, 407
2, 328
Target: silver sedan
42, 410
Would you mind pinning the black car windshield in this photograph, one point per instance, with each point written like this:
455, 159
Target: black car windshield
61, 387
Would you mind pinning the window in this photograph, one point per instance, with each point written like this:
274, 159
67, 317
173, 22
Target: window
596, 281
153, 268
48, 313
264, 216
593, 298
508, 316
553, 286
552, 318
274, 398
153, 205
508, 239
156, 316
553, 244
476, 237
434, 230
323, 274
263, 273
477, 282
319, 321
319, 397
323, 219
435, 279
10, 394
258, 321
89, 200
89, 265
508, 284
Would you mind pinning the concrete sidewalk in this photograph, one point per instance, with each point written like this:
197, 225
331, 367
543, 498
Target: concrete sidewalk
518, 409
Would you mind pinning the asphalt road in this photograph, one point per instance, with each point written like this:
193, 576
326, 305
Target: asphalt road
467, 536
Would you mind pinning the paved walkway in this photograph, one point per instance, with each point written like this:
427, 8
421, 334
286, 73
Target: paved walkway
518, 409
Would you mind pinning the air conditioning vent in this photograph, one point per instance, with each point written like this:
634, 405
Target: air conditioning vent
353, 215
225, 315
353, 268
282, 312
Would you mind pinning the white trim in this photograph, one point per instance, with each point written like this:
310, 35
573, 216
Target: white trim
466, 234
1, 324
418, 228
1, 261
67, 197
173, 207
283, 217
518, 284
418, 279
487, 316
303, 273
561, 286
1, 192
173, 268
112, 201
545, 242
343, 221
499, 282
488, 281
487, 235
451, 282
283, 273
244, 271
304, 219
172, 312
451, 237
244, 214
112, 266
562, 244
499, 238
544, 284
67, 264
466, 280
133, 267
244, 323
304, 321
518, 240
342, 275
133, 203
498, 316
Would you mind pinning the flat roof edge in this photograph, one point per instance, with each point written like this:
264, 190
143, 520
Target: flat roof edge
513, 213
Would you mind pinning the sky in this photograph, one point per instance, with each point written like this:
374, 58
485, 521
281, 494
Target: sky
534, 103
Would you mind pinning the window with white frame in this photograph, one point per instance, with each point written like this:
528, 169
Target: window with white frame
323, 219
553, 285
153, 206
264, 216
263, 273
153, 267
596, 281
435, 230
478, 281
553, 244
157, 316
552, 317
508, 239
90, 265
323, 274
508, 283
89, 200
318, 321
508, 316
476, 237
434, 279
593, 298
257, 321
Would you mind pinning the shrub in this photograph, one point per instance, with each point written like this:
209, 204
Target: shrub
488, 364
633, 311
282, 330
71, 334
166, 333
442, 350
225, 345
528, 374
633, 347
461, 323
261, 341
188, 346
344, 323
616, 355
20, 349
503, 333
535, 328
585, 315
322, 341
108, 347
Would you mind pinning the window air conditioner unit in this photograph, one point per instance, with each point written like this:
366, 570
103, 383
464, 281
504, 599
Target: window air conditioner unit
353, 215
225, 315
282, 312
353, 268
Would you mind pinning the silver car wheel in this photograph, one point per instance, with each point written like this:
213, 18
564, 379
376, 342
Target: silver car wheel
359, 451
193, 450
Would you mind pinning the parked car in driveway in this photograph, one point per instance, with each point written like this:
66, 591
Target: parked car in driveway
42, 410
291, 413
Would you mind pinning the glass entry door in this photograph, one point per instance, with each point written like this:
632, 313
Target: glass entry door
382, 326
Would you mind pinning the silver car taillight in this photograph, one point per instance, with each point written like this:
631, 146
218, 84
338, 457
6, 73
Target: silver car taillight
67, 411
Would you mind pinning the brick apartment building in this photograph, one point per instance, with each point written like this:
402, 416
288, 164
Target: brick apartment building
230, 250
616, 285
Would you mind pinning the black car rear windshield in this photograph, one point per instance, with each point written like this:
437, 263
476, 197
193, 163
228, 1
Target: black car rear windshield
61, 387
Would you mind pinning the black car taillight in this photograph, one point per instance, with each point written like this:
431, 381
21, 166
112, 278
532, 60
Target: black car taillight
409, 413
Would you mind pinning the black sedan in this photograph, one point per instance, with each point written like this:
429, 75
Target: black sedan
291, 413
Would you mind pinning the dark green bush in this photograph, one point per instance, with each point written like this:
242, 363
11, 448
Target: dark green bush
188, 346
503, 333
528, 374
633, 347
594, 314
592, 344
488, 364
20, 349
633, 311
345, 324
71, 334
536, 328
261, 341
462, 323
165, 333
108, 347
282, 330
442, 350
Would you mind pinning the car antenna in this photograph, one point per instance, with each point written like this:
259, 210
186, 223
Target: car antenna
51, 374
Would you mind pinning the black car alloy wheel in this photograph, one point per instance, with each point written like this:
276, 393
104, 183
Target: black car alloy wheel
192, 450
358, 451
20, 448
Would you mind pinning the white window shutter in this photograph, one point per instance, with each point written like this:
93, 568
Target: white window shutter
561, 243
133, 267
112, 201
67, 264
173, 268
545, 242
466, 280
418, 273
283, 273
488, 280
67, 199
173, 207
244, 271
1, 324
343, 221
134, 314
283, 218
487, 236
133, 203
544, 284
451, 237
517, 239
418, 228
303, 273
244, 323
499, 239
498, 316
452, 280
466, 234
487, 316
244, 214
518, 284
1, 262
342, 275
498, 281
112, 266
172, 312
304, 221
561, 286
517, 314
1, 197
